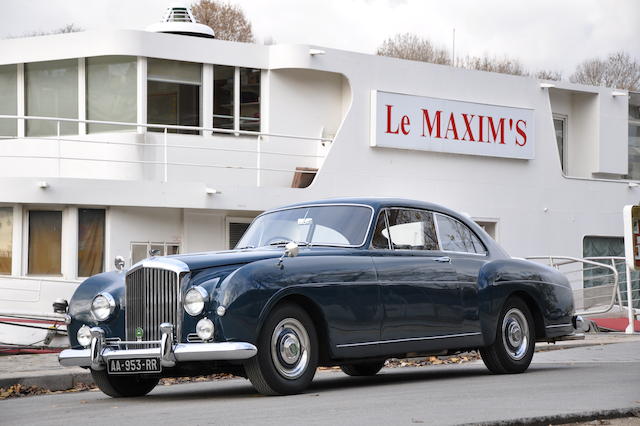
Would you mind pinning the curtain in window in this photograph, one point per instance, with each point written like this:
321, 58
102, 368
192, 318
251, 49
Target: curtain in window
45, 240
90, 241
6, 239
51, 91
8, 99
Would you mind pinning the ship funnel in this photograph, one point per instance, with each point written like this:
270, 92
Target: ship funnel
178, 19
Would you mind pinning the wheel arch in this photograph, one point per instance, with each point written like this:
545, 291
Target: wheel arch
534, 308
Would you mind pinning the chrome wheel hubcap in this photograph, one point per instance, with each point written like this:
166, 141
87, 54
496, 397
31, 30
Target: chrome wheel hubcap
289, 348
515, 334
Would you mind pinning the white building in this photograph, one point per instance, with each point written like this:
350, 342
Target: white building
218, 131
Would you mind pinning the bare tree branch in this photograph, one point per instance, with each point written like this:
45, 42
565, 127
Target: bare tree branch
504, 65
549, 75
410, 46
618, 71
227, 21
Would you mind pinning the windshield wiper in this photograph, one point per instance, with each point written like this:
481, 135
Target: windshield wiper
245, 247
283, 242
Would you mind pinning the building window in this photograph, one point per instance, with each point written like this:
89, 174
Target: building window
250, 99
91, 224
8, 100
225, 116
634, 136
141, 250
51, 91
173, 94
111, 92
6, 239
223, 96
488, 226
45, 242
560, 127
236, 231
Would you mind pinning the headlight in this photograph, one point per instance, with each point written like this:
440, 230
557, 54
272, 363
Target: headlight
103, 306
204, 329
84, 336
194, 300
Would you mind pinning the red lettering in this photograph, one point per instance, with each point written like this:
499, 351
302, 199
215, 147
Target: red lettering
404, 122
494, 132
451, 127
521, 132
467, 124
395, 132
481, 128
431, 124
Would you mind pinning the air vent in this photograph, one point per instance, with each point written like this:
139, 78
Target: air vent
178, 19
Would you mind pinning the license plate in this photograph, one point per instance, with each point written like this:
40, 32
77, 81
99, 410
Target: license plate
133, 365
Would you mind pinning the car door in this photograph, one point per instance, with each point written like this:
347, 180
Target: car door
468, 255
419, 288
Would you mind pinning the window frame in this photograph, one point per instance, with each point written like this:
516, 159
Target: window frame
26, 238
486, 249
564, 161
150, 243
77, 240
237, 87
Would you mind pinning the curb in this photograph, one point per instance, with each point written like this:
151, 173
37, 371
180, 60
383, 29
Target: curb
50, 381
559, 419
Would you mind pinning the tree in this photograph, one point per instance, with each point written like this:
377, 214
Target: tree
549, 75
68, 28
504, 65
227, 21
410, 46
618, 70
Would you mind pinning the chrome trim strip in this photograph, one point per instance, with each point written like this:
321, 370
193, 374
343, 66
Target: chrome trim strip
410, 339
559, 325
162, 262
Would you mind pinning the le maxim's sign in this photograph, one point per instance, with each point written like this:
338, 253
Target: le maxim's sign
441, 125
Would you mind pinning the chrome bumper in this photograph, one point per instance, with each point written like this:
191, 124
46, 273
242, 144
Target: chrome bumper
169, 353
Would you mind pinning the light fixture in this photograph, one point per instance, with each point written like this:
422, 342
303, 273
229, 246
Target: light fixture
618, 93
43, 184
546, 85
314, 52
633, 185
212, 191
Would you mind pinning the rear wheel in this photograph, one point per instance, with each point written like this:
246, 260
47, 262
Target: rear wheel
123, 386
287, 355
364, 369
514, 344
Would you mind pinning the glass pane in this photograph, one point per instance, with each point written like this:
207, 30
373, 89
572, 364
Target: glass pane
139, 252
111, 92
634, 152
250, 99
412, 230
90, 241
159, 248
381, 234
558, 124
8, 99
45, 240
51, 91
223, 88
6, 239
455, 236
174, 104
174, 71
173, 249
634, 106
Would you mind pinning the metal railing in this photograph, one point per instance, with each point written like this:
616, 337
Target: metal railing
165, 129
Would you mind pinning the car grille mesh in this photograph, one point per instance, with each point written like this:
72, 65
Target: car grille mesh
152, 297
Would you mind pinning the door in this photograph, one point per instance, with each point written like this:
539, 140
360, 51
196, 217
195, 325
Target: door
419, 288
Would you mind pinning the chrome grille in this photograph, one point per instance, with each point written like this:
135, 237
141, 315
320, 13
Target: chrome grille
152, 297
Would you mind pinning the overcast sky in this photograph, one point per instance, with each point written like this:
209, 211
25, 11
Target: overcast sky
543, 34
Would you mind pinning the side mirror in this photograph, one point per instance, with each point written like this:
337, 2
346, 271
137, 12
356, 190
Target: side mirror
119, 263
291, 249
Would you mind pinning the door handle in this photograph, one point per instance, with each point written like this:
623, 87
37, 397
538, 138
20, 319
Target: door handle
443, 259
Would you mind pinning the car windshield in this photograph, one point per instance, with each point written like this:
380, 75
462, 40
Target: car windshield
333, 225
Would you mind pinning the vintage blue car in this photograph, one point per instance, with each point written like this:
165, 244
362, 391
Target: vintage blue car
348, 282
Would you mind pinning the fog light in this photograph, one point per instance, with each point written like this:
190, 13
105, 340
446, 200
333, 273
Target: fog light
204, 329
84, 336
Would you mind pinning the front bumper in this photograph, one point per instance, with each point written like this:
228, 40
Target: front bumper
169, 353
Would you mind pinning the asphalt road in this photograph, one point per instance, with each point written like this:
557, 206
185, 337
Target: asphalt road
559, 382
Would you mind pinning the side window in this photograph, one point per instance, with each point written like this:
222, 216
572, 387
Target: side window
381, 235
408, 230
455, 236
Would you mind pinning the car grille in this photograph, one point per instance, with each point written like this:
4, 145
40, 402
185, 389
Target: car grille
152, 297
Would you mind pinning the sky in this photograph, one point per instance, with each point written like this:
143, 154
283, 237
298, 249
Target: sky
543, 34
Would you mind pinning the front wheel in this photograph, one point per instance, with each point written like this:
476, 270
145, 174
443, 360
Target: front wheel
123, 386
514, 344
287, 355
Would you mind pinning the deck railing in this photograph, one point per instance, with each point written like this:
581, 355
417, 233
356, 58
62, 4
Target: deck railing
261, 139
